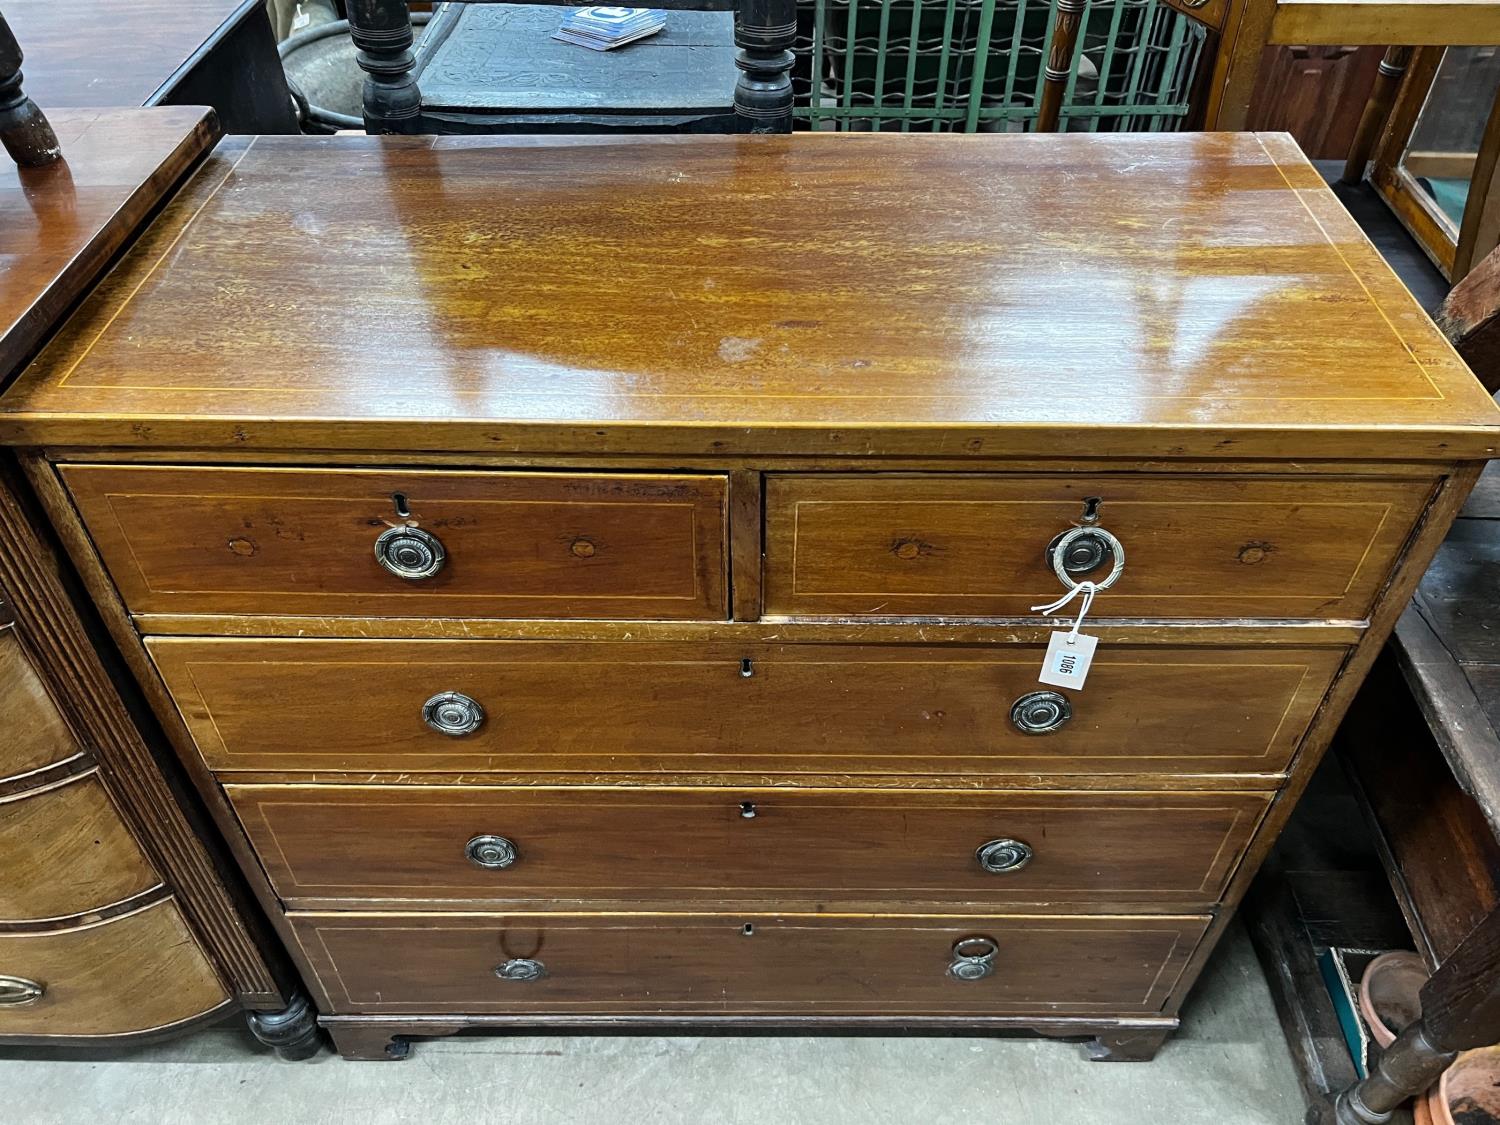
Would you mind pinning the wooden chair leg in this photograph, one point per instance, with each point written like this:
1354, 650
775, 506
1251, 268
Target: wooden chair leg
765, 32
1059, 63
1460, 1010
1377, 111
24, 129
381, 30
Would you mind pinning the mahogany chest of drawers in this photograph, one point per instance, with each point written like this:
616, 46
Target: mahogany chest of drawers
595, 581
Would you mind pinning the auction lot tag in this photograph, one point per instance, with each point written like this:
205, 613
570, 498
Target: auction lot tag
1068, 658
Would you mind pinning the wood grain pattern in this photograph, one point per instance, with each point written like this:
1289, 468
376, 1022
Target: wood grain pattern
35, 734
60, 224
65, 653
356, 705
138, 972
895, 326
823, 964
66, 851
969, 546
1439, 23
78, 56
518, 544
325, 845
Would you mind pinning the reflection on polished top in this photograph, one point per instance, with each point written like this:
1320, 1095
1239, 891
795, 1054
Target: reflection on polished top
1089, 295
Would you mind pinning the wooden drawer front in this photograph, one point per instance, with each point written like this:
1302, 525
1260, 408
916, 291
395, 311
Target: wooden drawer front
65, 851
622, 706
302, 541
133, 973
707, 963
322, 843
32, 733
1207, 547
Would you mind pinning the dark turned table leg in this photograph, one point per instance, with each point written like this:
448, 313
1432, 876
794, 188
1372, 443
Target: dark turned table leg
765, 32
1460, 1011
381, 30
23, 127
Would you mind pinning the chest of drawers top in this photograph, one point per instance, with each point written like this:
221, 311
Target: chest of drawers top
939, 297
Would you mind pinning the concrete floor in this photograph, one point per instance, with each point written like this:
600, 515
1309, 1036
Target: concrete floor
1228, 1066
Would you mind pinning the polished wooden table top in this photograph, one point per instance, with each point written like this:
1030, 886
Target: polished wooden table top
1197, 295
83, 53
59, 225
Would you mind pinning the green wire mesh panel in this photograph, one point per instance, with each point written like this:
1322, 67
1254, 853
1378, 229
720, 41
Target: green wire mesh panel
976, 65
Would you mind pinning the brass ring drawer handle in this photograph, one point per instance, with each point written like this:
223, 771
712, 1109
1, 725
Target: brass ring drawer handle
15, 991
1004, 855
453, 713
521, 969
410, 553
493, 852
973, 958
1083, 550
1040, 712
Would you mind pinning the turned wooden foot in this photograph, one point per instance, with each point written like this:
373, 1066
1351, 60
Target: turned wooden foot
369, 1044
1126, 1046
24, 131
292, 1032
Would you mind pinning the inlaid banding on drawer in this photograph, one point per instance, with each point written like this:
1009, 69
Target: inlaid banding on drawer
478, 544
313, 705
724, 963
523, 848
1196, 547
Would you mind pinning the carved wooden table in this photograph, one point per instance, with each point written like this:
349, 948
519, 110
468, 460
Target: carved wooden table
118, 922
593, 582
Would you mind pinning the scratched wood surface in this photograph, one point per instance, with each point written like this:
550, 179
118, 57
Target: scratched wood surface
942, 295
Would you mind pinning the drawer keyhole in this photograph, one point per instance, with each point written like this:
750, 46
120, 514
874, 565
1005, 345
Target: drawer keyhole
748, 810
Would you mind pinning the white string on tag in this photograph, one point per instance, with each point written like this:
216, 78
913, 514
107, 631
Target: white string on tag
1088, 589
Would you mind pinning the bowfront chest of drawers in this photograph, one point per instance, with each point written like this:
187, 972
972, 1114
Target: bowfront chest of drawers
593, 581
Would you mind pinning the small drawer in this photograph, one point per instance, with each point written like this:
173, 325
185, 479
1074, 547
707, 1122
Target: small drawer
501, 848
1192, 547
408, 544
65, 851
35, 735
138, 972
458, 706
746, 963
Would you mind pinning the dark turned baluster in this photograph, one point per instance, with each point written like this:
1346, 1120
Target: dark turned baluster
23, 128
1059, 63
765, 32
1460, 1011
381, 30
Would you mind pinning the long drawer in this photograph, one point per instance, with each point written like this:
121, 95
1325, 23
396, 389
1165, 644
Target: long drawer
302, 705
728, 963
136, 972
496, 544
34, 734
1195, 547
65, 851
518, 847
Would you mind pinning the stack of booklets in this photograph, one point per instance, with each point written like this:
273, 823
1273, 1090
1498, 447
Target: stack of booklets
604, 29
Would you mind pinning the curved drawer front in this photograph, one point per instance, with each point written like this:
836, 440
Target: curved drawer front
304, 541
323, 844
65, 851
710, 964
1202, 547
34, 733
138, 972
621, 706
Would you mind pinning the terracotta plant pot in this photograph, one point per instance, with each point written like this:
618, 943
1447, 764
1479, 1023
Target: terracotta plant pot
1390, 994
1469, 1091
